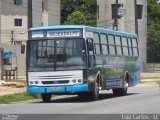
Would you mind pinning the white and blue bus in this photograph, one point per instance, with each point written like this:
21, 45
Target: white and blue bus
82, 60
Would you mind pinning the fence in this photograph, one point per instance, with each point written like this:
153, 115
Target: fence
151, 67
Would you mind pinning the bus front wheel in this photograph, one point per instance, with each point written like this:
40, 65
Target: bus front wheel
46, 97
94, 95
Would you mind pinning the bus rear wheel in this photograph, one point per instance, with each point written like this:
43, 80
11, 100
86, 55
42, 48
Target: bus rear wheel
121, 91
46, 97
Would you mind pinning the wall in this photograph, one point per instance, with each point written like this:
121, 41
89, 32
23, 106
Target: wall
54, 12
9, 11
48, 14
142, 30
0, 20
20, 63
8, 14
36, 13
1, 63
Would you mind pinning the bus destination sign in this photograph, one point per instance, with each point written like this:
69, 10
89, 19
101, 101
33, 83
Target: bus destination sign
37, 34
63, 33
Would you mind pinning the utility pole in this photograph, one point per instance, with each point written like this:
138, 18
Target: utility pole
12, 37
136, 17
29, 13
115, 25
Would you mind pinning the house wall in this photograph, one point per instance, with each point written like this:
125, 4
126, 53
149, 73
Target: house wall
11, 36
18, 60
8, 14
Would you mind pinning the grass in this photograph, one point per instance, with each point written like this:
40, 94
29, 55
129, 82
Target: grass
158, 82
21, 81
6, 99
150, 80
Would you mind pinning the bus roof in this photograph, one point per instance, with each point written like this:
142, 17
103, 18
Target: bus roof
87, 28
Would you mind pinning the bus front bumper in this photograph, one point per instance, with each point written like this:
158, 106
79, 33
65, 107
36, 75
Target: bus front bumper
58, 89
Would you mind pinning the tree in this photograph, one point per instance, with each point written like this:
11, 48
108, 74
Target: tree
76, 18
153, 35
83, 10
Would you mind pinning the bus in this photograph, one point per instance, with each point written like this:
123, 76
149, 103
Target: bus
81, 60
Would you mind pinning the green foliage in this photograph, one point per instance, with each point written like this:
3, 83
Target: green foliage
21, 81
153, 36
78, 12
76, 17
17, 97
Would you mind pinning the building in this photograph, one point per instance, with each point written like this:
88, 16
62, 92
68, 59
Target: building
133, 19
16, 16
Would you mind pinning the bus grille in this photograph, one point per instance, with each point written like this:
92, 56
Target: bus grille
55, 82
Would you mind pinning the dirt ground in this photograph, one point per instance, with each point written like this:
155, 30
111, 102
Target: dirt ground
4, 90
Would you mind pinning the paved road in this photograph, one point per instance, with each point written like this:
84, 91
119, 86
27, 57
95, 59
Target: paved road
144, 98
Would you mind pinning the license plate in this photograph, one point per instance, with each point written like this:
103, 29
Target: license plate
56, 88
114, 83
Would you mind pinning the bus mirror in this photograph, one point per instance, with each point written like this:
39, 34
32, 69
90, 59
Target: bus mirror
90, 44
90, 47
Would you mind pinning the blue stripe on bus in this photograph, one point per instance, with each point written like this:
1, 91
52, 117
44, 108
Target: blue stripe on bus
58, 89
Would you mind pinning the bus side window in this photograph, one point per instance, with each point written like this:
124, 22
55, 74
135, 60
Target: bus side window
111, 45
130, 46
118, 45
104, 46
125, 46
135, 47
96, 41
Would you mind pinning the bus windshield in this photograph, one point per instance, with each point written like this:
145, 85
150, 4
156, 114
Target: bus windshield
56, 54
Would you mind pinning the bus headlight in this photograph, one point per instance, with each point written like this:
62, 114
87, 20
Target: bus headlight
31, 82
74, 80
79, 81
36, 82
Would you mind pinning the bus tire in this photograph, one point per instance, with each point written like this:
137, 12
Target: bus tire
46, 97
115, 92
121, 91
124, 89
94, 95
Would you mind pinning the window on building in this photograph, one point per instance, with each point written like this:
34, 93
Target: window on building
139, 11
18, 2
17, 22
